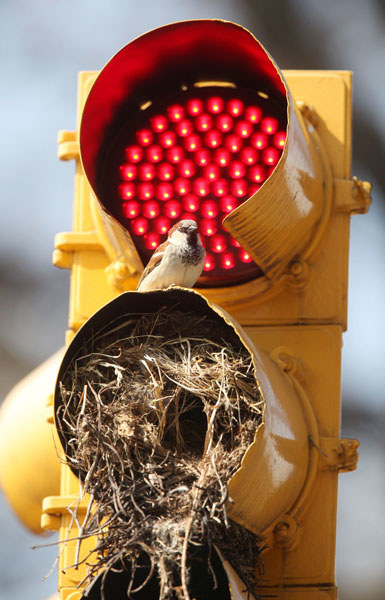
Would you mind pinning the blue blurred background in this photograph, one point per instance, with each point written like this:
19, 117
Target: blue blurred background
43, 44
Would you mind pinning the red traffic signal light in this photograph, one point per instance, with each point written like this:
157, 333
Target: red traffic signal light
194, 130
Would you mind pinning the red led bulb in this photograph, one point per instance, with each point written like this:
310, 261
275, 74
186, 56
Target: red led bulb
134, 154
208, 227
191, 202
215, 105
175, 113
131, 209
233, 143
220, 187
175, 155
239, 188
139, 226
182, 186
162, 225
145, 191
152, 240
128, 172
222, 157
253, 114
184, 128
164, 191
167, 139
187, 168
218, 243
224, 123
279, 140
165, 171
271, 156
227, 260
209, 264
202, 157
213, 138
228, 203
201, 186
269, 125
209, 209
154, 154
144, 137
172, 209
257, 174
211, 172
235, 107
249, 155
193, 142
236, 169
127, 191
194, 106
146, 172
204, 122
259, 140
151, 209
159, 123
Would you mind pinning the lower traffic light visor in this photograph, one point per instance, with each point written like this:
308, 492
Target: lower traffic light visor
258, 437
246, 168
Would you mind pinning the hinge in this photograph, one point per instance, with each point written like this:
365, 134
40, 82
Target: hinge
66, 243
54, 507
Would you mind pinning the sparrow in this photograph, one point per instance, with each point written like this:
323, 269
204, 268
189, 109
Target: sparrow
178, 261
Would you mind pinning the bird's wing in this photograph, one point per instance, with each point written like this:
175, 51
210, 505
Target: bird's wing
154, 262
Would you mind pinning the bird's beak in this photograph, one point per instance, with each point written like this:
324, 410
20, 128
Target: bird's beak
192, 228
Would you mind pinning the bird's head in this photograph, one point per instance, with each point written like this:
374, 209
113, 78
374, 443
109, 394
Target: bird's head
185, 229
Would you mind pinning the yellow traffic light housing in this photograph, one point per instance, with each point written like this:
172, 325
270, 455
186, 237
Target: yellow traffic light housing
289, 290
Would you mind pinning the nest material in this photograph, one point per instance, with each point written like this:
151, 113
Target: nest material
157, 415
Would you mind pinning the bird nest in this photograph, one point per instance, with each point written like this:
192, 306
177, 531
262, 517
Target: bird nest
157, 414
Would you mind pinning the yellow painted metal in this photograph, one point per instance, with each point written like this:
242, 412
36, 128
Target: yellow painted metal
29, 465
296, 316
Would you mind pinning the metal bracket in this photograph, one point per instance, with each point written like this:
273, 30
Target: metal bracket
53, 507
338, 454
68, 145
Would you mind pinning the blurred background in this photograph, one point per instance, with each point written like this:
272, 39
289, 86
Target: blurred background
43, 44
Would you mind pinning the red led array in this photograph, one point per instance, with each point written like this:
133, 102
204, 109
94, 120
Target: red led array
198, 159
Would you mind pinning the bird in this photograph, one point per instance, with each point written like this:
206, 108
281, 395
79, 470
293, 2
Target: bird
178, 261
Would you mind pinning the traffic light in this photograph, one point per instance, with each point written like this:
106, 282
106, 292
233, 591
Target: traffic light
195, 120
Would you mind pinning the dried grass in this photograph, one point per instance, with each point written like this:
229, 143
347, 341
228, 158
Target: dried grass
157, 415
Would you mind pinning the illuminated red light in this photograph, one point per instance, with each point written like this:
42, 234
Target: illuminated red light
244, 129
139, 226
175, 155
259, 140
154, 154
237, 169
239, 188
165, 171
187, 168
222, 157
227, 260
164, 191
167, 139
145, 191
233, 143
134, 154
228, 203
172, 209
182, 186
235, 107
245, 256
269, 125
194, 106
151, 240
270, 156
159, 123
213, 139
131, 209
146, 172
162, 225
127, 191
144, 137
215, 104
128, 172
224, 123
208, 227
209, 209
191, 202
201, 186
253, 114
211, 172
193, 142
151, 209
204, 122
175, 113
202, 157
220, 187
279, 139
257, 174
209, 262
249, 155
218, 243
184, 128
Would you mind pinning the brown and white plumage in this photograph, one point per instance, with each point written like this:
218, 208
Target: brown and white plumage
178, 261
